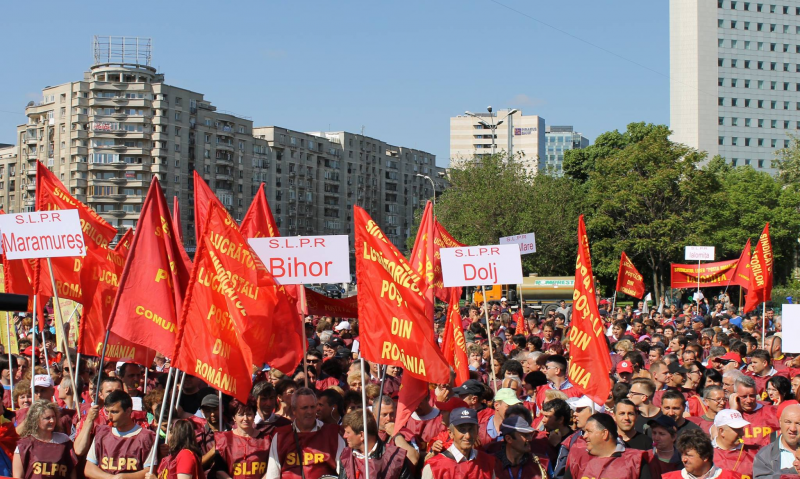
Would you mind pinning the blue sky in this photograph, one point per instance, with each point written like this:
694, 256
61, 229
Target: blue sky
399, 69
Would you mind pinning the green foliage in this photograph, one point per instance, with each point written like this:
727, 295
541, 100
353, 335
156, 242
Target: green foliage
787, 161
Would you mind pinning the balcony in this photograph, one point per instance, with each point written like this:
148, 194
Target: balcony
224, 161
80, 118
117, 213
225, 147
31, 140
159, 168
78, 150
79, 182
160, 120
30, 187
80, 134
118, 180
31, 171
224, 177
162, 152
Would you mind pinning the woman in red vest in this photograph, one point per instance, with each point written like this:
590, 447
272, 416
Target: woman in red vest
183, 461
42, 452
244, 451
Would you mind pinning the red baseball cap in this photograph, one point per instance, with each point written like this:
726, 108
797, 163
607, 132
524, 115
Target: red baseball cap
625, 367
729, 357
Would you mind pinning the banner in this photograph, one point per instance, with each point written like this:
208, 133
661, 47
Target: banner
258, 222
454, 345
391, 307
481, 265
760, 273
629, 281
150, 297
305, 259
321, 305
589, 363
9, 332
230, 320
97, 234
711, 274
441, 239
203, 197
741, 275
422, 258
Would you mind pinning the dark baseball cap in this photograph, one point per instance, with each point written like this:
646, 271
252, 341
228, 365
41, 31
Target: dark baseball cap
663, 421
516, 424
469, 388
463, 415
675, 368
211, 401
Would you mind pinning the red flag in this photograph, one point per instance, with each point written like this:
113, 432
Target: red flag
412, 392
422, 258
741, 275
230, 316
589, 363
321, 305
441, 239
203, 197
394, 328
522, 328
629, 281
710, 274
176, 218
148, 304
760, 273
454, 345
97, 232
16, 279
259, 222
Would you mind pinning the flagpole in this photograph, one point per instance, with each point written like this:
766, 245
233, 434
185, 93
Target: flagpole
33, 344
46, 359
173, 402
60, 323
100, 370
763, 323
614, 306
382, 370
364, 414
489, 335
160, 417
220, 410
144, 388
10, 364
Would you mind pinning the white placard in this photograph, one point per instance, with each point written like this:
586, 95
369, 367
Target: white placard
526, 242
699, 253
42, 234
481, 265
305, 259
790, 322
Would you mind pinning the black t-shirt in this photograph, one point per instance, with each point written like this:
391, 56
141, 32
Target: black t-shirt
191, 402
687, 425
641, 423
640, 441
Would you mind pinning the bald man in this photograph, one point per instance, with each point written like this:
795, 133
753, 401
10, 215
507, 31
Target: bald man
776, 458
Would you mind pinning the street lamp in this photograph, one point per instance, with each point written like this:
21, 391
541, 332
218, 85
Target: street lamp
434, 189
493, 126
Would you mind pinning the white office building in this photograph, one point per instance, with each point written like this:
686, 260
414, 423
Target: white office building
734, 88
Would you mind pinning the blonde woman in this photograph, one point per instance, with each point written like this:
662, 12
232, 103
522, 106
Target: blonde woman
41, 452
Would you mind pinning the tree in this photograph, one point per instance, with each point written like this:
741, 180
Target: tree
787, 161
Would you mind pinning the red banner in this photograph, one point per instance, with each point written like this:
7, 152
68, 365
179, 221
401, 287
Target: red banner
589, 363
230, 317
711, 274
203, 197
97, 233
124, 245
629, 281
441, 239
741, 275
16, 279
259, 222
147, 307
454, 346
422, 258
321, 305
391, 307
760, 272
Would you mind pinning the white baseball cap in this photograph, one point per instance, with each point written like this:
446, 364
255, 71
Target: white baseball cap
730, 417
42, 380
503, 299
344, 325
584, 401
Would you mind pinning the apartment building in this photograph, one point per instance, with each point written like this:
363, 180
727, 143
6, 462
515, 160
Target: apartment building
514, 133
8, 175
107, 135
321, 175
733, 77
560, 139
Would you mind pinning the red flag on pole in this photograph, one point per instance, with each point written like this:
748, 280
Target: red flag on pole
454, 345
422, 258
230, 319
259, 222
148, 304
441, 239
176, 218
760, 272
741, 275
97, 232
629, 280
391, 307
203, 197
589, 363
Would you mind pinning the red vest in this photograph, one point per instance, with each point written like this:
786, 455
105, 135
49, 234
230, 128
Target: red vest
46, 460
696, 406
763, 422
627, 466
442, 467
244, 457
167, 469
704, 424
423, 431
484, 416
739, 461
269, 428
116, 455
318, 449
388, 466
724, 475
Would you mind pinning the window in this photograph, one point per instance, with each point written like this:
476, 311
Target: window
720, 81
720, 62
772, 47
773, 124
735, 141
786, 124
734, 62
721, 101
773, 85
773, 143
786, 105
747, 122
772, 27
721, 121
733, 24
785, 10
747, 65
760, 46
747, 27
747, 142
733, 5
747, 5
734, 161
786, 29
747, 103
734, 82
734, 122
760, 27
721, 43
760, 84
761, 163
177, 116
760, 65
721, 140
760, 142
747, 82
773, 104
747, 45
773, 66
761, 123
760, 103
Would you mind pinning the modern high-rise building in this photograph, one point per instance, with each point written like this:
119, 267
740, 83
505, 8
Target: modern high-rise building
734, 88
107, 135
471, 137
560, 139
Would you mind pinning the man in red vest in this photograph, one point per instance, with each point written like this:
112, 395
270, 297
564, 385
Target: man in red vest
761, 370
307, 443
729, 450
385, 459
763, 419
123, 448
604, 457
461, 459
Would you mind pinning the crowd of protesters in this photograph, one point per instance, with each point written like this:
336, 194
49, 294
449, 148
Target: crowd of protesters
696, 395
